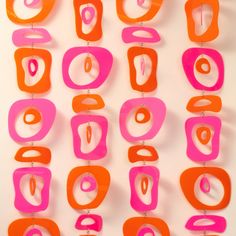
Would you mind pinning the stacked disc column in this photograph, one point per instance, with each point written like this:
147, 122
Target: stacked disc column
204, 185
143, 115
31, 119
85, 69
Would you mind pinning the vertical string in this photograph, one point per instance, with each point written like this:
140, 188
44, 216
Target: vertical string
143, 96
201, 14
203, 93
143, 67
88, 161
32, 143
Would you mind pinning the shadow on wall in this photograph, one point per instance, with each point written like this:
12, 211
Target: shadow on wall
228, 118
227, 36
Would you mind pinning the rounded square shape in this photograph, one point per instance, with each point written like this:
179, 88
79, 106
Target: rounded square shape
102, 177
21, 227
133, 225
20, 202
151, 82
46, 9
44, 84
45, 107
156, 107
192, 151
189, 178
189, 59
101, 149
155, 6
135, 201
80, 18
212, 31
102, 55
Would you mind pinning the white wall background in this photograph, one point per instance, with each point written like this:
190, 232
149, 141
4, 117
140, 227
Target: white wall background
173, 89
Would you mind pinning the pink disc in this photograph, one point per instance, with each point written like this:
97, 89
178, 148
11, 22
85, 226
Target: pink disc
193, 152
145, 231
154, 105
91, 181
35, 64
25, 36
91, 11
217, 223
33, 3
135, 201
190, 57
45, 107
103, 57
96, 224
140, 2
205, 185
101, 148
143, 65
33, 232
129, 35
21, 203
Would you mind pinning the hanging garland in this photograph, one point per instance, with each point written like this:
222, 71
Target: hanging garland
93, 180
33, 66
202, 66
148, 110
204, 69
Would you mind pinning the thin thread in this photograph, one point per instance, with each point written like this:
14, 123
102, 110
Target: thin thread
201, 14
143, 96
203, 113
88, 161
32, 97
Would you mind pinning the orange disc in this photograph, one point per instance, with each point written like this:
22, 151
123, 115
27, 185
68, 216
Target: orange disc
134, 156
146, 115
96, 32
44, 84
133, 225
204, 135
200, 63
89, 133
43, 156
155, 6
32, 185
151, 82
88, 64
36, 116
19, 227
102, 177
212, 31
214, 103
144, 184
189, 178
84, 102
47, 6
